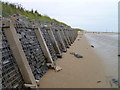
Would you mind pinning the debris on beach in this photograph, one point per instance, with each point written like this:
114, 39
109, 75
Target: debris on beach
58, 68
50, 66
29, 86
98, 81
76, 55
37, 82
92, 46
72, 53
78, 39
115, 81
119, 55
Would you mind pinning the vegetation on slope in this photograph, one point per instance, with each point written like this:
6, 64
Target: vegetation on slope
9, 9
78, 29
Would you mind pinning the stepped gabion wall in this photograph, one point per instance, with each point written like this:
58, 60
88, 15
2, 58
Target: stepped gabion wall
36, 57
32, 49
49, 43
11, 76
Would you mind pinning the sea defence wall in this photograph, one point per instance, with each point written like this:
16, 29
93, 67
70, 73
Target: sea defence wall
30, 48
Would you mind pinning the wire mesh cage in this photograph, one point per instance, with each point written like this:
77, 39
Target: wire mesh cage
11, 76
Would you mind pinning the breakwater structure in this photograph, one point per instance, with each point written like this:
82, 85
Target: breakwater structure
29, 48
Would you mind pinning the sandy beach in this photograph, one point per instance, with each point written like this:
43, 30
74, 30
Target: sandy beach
86, 72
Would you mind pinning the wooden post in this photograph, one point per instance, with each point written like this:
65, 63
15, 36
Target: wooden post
43, 45
69, 36
56, 47
61, 41
65, 38
66, 34
62, 37
19, 55
72, 36
0, 45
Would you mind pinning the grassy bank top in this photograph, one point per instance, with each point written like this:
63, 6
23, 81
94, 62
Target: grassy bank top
8, 9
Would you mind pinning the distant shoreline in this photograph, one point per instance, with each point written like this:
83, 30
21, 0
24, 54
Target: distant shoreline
105, 32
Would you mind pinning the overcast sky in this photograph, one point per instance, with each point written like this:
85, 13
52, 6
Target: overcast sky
90, 15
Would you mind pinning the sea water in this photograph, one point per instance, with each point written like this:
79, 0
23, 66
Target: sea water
106, 46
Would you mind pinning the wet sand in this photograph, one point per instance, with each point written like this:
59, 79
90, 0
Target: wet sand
106, 46
86, 72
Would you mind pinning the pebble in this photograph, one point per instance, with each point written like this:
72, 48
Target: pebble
98, 81
78, 56
72, 53
92, 46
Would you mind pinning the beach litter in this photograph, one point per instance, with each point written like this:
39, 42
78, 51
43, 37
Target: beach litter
115, 81
98, 81
76, 55
58, 68
53, 66
119, 55
72, 53
92, 46
37, 82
